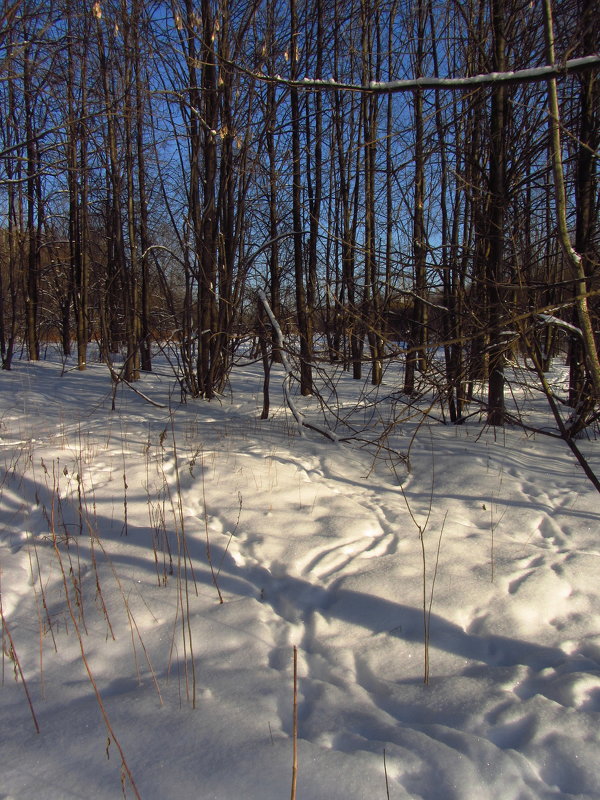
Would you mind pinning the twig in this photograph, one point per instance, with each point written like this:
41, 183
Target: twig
295, 728
15, 659
109, 728
214, 574
387, 785
298, 416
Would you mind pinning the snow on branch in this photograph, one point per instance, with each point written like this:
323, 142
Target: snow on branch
529, 75
549, 319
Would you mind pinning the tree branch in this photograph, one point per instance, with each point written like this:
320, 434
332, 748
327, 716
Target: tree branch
530, 75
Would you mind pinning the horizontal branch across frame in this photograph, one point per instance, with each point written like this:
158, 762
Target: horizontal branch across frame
529, 75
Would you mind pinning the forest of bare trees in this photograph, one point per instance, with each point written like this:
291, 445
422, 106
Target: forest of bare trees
163, 163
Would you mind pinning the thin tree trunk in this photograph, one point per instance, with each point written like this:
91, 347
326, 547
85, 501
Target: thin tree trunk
495, 261
316, 181
144, 237
416, 356
306, 385
585, 189
32, 279
270, 122
574, 258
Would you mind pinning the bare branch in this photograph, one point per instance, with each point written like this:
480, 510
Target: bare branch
530, 75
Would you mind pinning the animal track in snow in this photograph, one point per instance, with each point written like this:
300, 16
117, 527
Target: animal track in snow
551, 531
328, 561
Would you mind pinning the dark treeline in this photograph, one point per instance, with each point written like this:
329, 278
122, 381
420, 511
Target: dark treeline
152, 180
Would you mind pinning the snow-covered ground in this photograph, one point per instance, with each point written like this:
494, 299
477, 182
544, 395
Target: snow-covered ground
121, 530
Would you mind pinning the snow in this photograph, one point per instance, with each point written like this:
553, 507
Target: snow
540, 73
550, 319
107, 520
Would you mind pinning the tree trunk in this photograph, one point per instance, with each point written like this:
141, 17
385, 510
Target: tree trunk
32, 279
574, 258
270, 123
302, 312
416, 355
585, 188
495, 261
